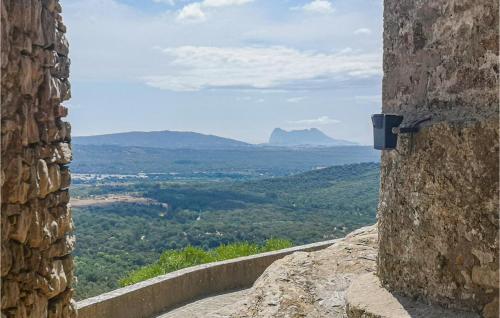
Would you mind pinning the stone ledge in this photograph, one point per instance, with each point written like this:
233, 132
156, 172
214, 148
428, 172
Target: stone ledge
366, 298
158, 295
309, 285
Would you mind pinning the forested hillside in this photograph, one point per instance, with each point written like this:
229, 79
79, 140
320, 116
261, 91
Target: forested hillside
252, 161
114, 239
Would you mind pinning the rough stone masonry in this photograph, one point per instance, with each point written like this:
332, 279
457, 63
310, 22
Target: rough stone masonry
36, 265
438, 210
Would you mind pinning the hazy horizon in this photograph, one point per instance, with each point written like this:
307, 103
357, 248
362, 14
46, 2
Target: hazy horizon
231, 68
189, 131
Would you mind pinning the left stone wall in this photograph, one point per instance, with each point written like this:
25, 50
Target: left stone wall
36, 226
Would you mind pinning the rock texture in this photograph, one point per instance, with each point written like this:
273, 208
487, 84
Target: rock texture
36, 265
438, 210
366, 297
310, 284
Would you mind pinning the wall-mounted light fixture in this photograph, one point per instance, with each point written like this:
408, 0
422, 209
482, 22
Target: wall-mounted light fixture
386, 128
383, 136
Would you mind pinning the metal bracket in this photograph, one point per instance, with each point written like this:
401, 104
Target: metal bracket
404, 130
412, 128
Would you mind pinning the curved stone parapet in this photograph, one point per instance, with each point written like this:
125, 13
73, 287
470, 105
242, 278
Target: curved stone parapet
162, 293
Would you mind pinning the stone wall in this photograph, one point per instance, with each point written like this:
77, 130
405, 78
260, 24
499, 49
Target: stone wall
438, 210
36, 265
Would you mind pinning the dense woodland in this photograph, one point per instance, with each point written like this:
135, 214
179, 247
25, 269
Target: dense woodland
313, 206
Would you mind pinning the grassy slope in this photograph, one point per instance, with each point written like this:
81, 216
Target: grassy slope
173, 260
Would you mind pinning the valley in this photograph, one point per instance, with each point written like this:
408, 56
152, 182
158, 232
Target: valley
136, 195
116, 236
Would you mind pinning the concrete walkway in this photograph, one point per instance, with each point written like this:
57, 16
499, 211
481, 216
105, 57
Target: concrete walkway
210, 307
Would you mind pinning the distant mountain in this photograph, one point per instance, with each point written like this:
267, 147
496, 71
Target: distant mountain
306, 137
162, 139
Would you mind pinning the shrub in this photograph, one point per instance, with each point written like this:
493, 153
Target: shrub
173, 260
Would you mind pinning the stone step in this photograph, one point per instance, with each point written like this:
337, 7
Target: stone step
366, 298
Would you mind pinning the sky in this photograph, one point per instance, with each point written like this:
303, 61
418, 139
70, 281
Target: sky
232, 68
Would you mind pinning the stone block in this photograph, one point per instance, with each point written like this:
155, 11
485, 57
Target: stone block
50, 5
40, 236
491, 310
48, 24
54, 90
6, 259
53, 132
485, 276
61, 111
61, 67
40, 306
19, 252
64, 155
61, 44
54, 177
15, 190
62, 247
59, 198
6, 227
65, 178
26, 76
61, 27
32, 132
10, 293
64, 221
57, 280
63, 306
65, 131
11, 209
20, 15
9, 125
43, 178
21, 226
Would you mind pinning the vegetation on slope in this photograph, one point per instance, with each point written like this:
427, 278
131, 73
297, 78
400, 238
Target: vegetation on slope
174, 260
255, 161
314, 206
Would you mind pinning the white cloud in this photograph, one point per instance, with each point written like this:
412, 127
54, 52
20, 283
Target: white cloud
323, 120
363, 31
304, 60
295, 100
194, 11
317, 6
201, 67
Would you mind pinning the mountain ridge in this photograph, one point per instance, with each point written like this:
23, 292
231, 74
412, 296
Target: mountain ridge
305, 137
162, 139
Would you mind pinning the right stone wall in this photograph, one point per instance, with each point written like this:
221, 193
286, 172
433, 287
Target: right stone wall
438, 210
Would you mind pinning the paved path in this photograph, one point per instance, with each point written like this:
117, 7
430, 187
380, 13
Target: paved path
210, 307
